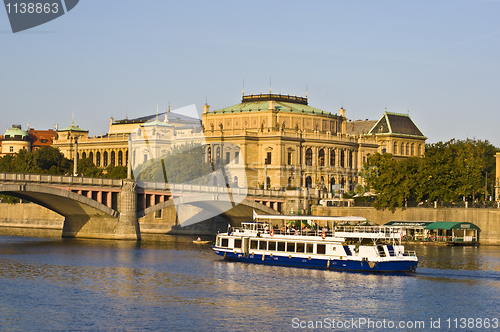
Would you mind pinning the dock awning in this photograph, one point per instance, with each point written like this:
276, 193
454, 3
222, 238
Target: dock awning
409, 224
449, 225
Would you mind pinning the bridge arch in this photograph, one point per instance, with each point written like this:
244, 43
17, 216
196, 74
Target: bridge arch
217, 204
83, 217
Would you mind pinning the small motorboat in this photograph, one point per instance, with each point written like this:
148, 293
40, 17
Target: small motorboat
200, 241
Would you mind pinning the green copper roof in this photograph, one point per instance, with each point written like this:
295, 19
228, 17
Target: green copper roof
73, 128
12, 132
262, 106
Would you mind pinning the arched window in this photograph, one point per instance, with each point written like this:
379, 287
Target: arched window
395, 148
402, 149
342, 158
98, 159
407, 149
419, 150
321, 157
113, 158
332, 157
309, 157
350, 158
91, 156
412, 149
84, 155
236, 181
217, 155
105, 159
289, 182
309, 182
120, 158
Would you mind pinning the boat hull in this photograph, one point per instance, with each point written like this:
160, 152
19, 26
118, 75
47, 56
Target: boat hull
325, 264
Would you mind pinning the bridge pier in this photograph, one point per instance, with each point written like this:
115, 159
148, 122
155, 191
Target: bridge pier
128, 223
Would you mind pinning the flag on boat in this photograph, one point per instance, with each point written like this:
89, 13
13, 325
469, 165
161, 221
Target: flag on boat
254, 215
401, 234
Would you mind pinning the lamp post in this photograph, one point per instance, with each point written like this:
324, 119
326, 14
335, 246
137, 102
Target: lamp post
75, 157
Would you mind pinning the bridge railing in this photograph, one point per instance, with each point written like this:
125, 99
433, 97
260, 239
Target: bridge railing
62, 179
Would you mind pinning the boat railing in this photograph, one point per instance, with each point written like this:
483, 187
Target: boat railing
375, 231
410, 253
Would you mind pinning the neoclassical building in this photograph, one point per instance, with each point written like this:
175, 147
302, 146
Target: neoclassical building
281, 142
395, 133
162, 131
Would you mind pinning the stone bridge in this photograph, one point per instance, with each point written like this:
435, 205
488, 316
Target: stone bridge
110, 208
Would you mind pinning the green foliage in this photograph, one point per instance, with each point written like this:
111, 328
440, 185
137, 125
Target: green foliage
182, 164
86, 167
47, 160
450, 171
116, 172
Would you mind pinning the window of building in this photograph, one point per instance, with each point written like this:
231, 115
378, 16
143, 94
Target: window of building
228, 157
309, 157
84, 155
236, 181
113, 158
402, 149
412, 149
11, 149
342, 158
395, 148
120, 158
98, 159
419, 151
289, 158
332, 157
237, 157
268, 159
105, 159
407, 149
321, 157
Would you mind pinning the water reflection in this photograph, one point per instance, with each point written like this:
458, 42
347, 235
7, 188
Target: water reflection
169, 283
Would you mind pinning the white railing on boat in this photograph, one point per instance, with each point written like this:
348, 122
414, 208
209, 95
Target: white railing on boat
374, 232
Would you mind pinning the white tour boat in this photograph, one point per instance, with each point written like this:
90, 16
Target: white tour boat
338, 245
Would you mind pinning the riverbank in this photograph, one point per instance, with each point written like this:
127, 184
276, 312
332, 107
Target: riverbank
488, 220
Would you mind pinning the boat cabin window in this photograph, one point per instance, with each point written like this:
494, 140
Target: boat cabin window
253, 244
263, 245
224, 243
272, 246
237, 243
281, 246
310, 248
321, 249
290, 246
300, 247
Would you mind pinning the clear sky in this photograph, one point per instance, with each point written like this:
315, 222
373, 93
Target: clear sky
439, 60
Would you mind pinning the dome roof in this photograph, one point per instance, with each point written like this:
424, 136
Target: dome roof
15, 132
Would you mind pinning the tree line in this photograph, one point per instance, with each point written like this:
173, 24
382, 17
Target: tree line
449, 172
49, 160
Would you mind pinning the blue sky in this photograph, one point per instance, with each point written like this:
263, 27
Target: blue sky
439, 60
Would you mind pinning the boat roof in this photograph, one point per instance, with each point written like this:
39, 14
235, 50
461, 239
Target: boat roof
318, 218
448, 225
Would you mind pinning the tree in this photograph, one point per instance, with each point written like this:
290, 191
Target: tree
87, 167
449, 172
116, 172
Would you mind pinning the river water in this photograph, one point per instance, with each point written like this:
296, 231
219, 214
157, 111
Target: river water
167, 283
